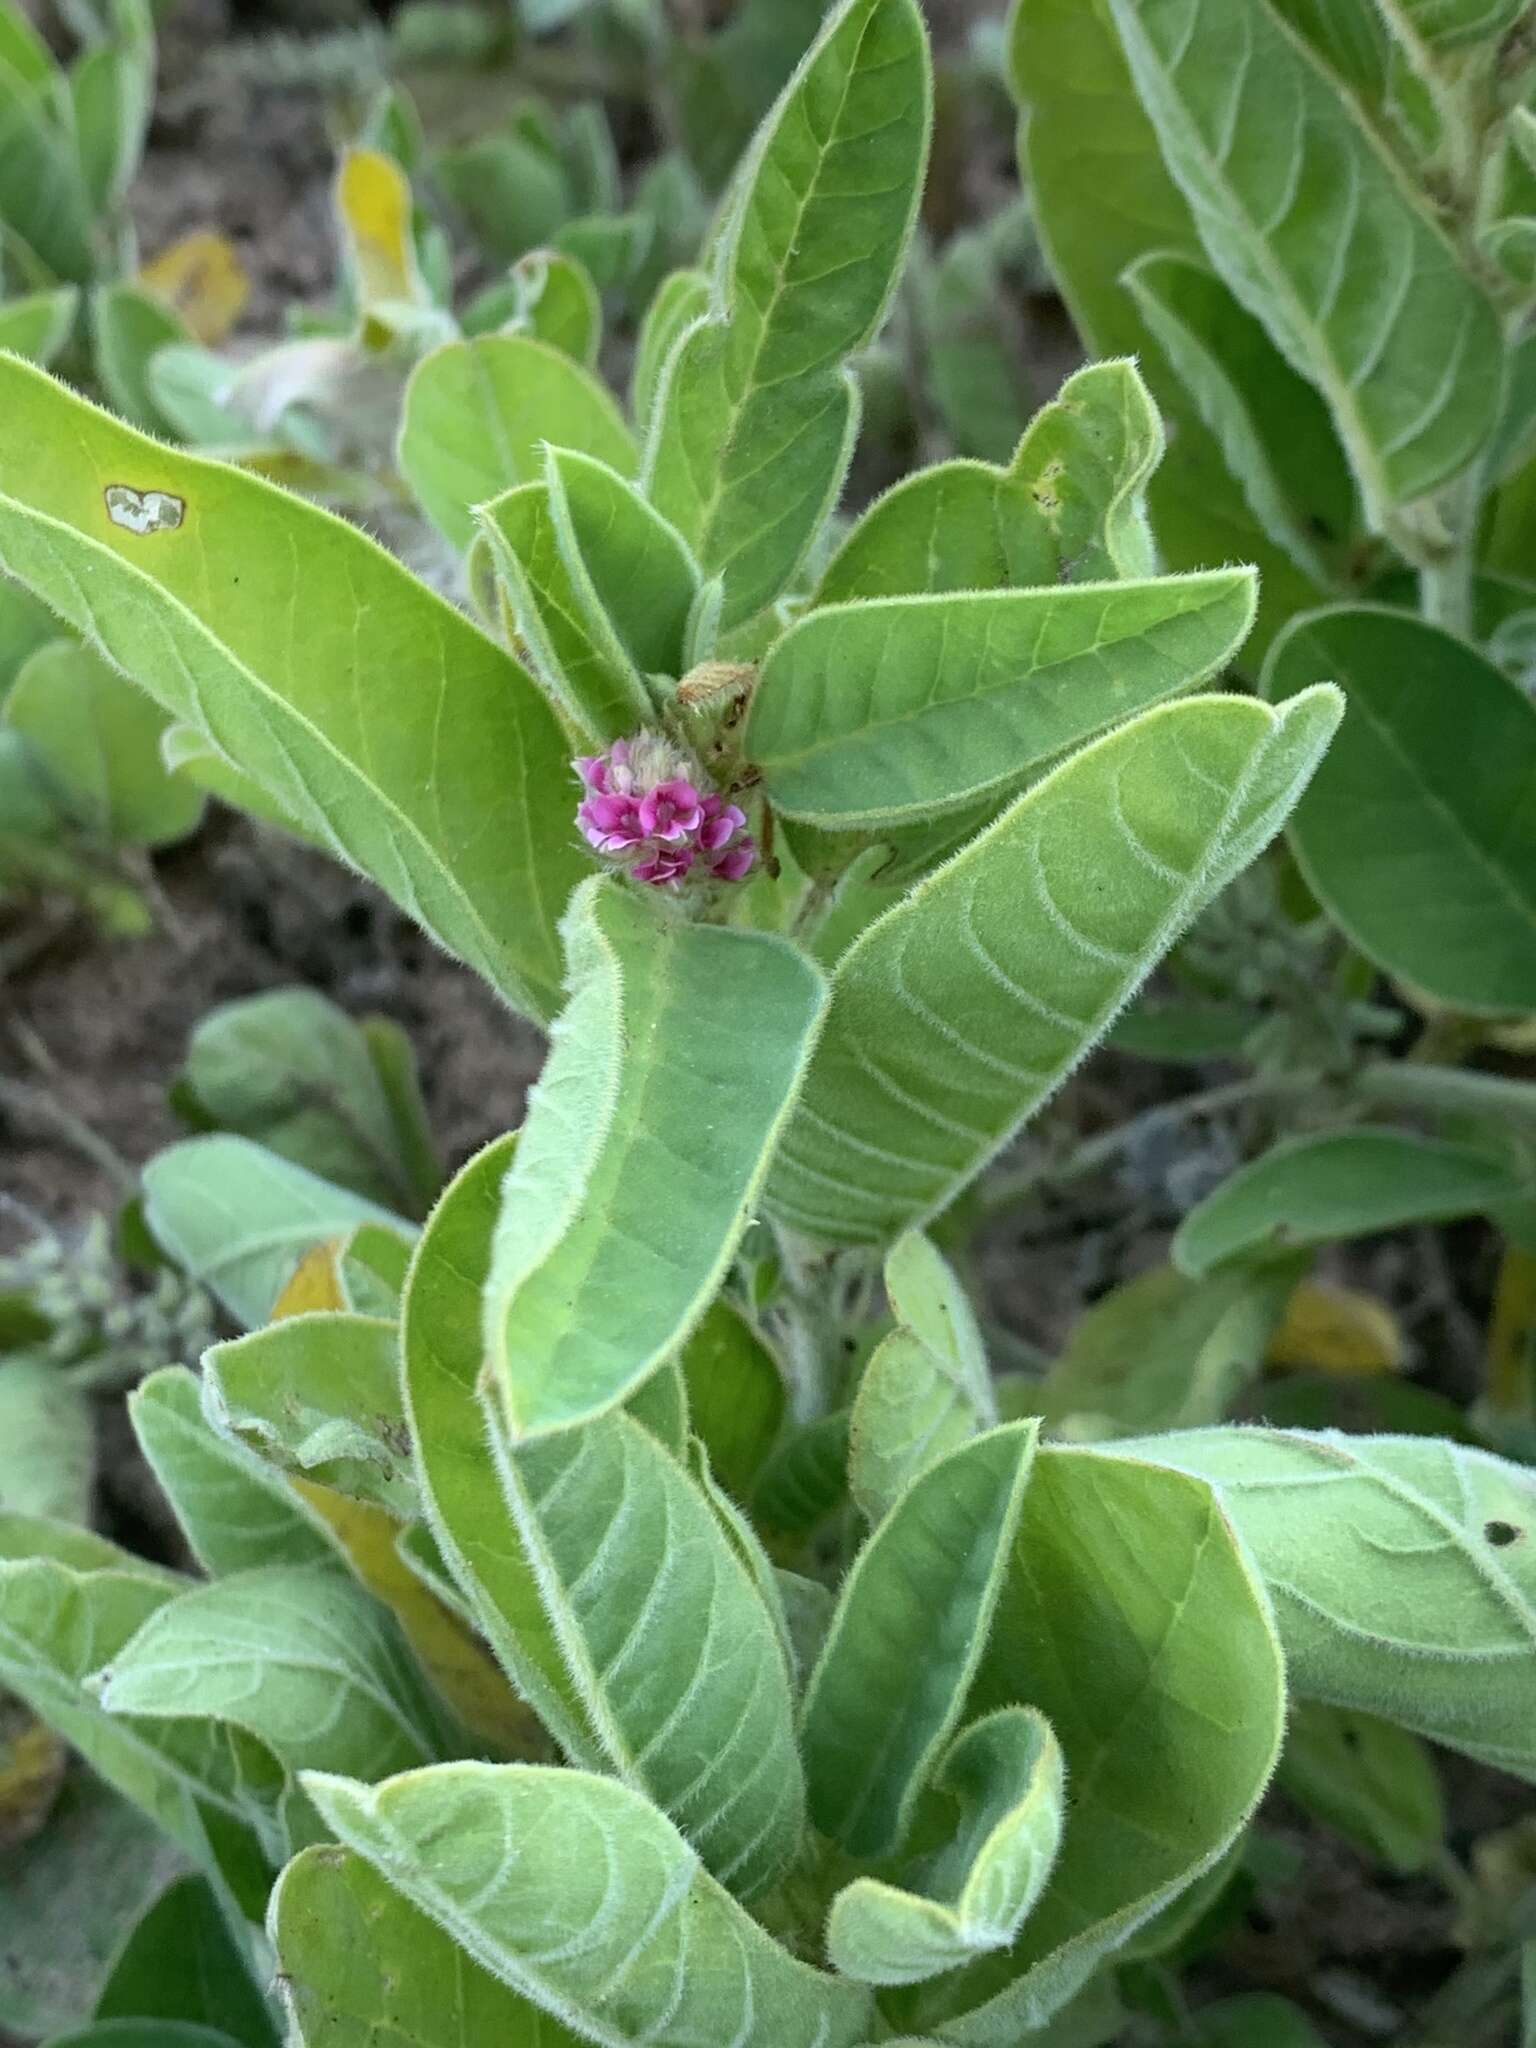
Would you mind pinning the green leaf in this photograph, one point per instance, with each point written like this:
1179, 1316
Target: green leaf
444, 1351
112, 90
477, 415
1005, 1777
885, 711
1338, 1184
736, 1396
98, 736
1102, 197
674, 1656
1447, 24
361, 1966
1375, 1783
296, 1655
1034, 936
1360, 289
129, 326
1401, 1573
957, 526
1273, 429
637, 568
1256, 2020
43, 196
511, 193
927, 1386
38, 325
558, 304
65, 1902
238, 1219
49, 1435
234, 1512
906, 1639
629, 1192
1132, 1620
145, 2034
1163, 1351
294, 1073
319, 1395
1418, 837
601, 1916
181, 1964
806, 1478
726, 83
266, 623
25, 625
753, 424
682, 297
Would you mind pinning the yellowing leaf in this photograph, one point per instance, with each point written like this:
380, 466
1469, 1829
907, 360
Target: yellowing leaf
32, 1760
315, 1284
201, 278
373, 213
458, 1666
1329, 1328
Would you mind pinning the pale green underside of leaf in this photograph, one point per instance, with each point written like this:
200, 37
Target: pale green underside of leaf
238, 1218
906, 1637
1338, 1184
1311, 225
675, 1656
1419, 835
962, 1008
753, 420
269, 625
884, 711
1005, 1785
1401, 1572
364, 1968
579, 1894
629, 1191
298, 1656
1132, 1621
234, 1512
478, 413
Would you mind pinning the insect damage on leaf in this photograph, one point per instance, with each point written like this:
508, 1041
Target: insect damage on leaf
144, 511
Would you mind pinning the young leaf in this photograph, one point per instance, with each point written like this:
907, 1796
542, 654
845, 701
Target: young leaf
38, 325
753, 423
361, 1966
238, 1218
43, 195
182, 1964
736, 1396
885, 711
1360, 289
682, 297
297, 1656
1447, 24
129, 327
234, 1512
319, 1395
98, 737
1418, 837
1005, 1776
49, 1435
1400, 1569
297, 1075
1132, 1620
1273, 429
266, 623
477, 415
635, 567
672, 1652
907, 1636
1375, 1783
577, 1893
628, 1192
806, 1478
558, 303
926, 1388
1034, 936
1338, 1184
957, 526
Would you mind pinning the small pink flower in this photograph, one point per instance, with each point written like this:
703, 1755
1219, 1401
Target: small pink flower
647, 807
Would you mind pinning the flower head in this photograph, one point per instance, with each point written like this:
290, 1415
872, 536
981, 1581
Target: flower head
647, 806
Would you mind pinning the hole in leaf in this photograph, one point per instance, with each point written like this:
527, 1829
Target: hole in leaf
1502, 1534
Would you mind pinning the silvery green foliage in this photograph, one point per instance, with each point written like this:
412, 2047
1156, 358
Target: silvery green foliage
627, 1608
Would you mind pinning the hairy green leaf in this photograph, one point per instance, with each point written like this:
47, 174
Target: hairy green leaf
1401, 1573
266, 623
736, 1395
1375, 1783
963, 1007
682, 297
1005, 1777
752, 426
907, 1637
477, 415
629, 1191
632, 566
1419, 836
1338, 1184
43, 193
1313, 228
575, 1891
884, 711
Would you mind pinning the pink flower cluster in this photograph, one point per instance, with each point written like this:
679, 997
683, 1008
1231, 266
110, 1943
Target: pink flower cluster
644, 808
